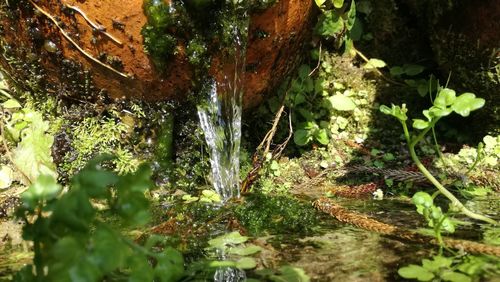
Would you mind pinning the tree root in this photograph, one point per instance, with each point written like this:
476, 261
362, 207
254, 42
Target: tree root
359, 220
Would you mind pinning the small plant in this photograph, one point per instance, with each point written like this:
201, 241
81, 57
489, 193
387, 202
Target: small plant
314, 106
435, 217
71, 244
444, 104
234, 251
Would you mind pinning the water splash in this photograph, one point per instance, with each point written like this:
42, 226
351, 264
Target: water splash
220, 115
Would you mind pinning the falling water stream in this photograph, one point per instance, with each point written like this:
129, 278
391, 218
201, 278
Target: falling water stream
220, 119
220, 115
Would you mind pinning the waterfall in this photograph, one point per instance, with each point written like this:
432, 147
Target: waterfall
220, 114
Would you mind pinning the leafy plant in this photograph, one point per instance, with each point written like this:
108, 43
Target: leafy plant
338, 22
70, 242
434, 215
28, 131
234, 251
444, 104
314, 106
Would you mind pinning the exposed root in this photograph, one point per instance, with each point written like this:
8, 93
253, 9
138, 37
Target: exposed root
66, 35
362, 221
94, 25
355, 192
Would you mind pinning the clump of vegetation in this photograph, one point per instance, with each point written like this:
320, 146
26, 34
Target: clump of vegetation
70, 243
276, 214
444, 104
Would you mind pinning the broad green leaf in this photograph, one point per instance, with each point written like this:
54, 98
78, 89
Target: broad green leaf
245, 251
134, 208
439, 112
331, 24
43, 189
415, 272
321, 136
108, 253
420, 124
33, 154
466, 103
302, 137
455, 277
448, 226
246, 263
413, 70
396, 71
189, 199
6, 175
304, 71
338, 3
374, 64
446, 97
233, 238
320, 3
437, 263
341, 102
422, 199
170, 266
222, 263
11, 104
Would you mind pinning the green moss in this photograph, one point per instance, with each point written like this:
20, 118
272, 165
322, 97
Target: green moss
164, 153
203, 27
276, 214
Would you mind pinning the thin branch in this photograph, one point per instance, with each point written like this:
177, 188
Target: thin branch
89, 56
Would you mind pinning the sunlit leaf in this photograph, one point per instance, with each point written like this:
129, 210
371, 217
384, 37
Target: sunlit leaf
415, 272
420, 124
246, 263
374, 64
341, 102
338, 3
466, 103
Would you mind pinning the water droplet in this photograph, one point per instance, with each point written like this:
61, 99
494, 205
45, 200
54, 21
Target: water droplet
50, 46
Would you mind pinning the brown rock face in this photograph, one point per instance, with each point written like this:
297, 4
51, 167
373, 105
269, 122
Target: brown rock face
50, 45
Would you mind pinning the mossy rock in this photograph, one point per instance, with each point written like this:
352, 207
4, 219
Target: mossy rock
38, 56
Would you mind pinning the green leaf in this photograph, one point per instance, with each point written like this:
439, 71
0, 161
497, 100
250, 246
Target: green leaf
422, 199
33, 154
420, 124
338, 3
321, 136
11, 104
413, 70
455, 277
170, 266
331, 24
396, 111
439, 112
396, 71
233, 238
108, 252
446, 97
246, 263
341, 102
43, 189
374, 64
415, 272
320, 3
302, 137
351, 15
466, 103
245, 251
